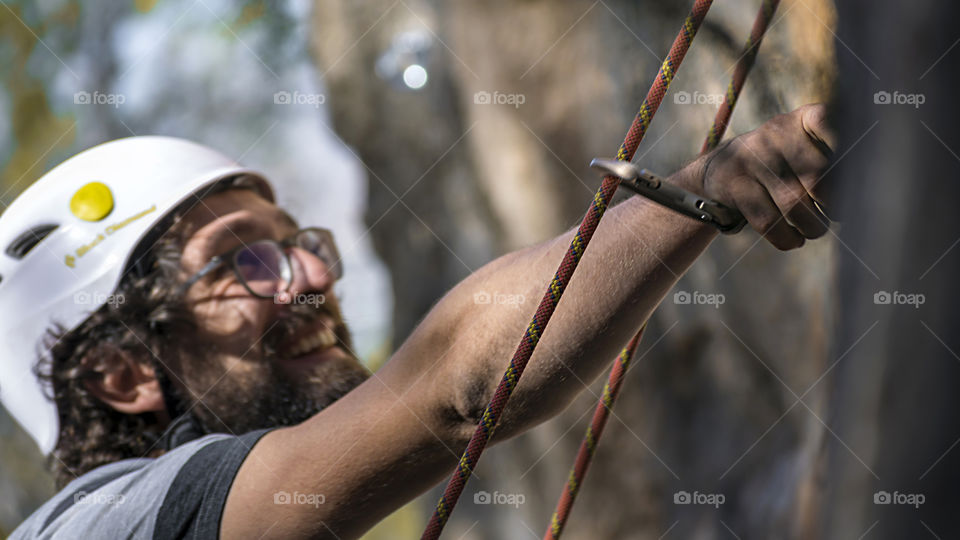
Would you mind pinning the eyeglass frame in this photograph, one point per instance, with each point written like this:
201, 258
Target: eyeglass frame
229, 257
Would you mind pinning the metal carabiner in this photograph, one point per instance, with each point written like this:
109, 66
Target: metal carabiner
643, 182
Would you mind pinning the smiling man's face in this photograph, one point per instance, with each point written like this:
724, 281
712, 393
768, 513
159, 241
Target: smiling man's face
257, 362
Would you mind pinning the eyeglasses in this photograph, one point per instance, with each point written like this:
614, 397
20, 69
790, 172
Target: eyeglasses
264, 267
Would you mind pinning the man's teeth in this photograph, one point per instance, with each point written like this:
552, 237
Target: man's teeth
321, 339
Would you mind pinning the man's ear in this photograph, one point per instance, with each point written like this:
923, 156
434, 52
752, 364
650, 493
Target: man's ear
122, 381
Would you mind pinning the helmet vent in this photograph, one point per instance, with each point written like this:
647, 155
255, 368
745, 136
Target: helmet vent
28, 240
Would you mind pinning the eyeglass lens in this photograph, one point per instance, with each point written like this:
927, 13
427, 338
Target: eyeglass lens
265, 267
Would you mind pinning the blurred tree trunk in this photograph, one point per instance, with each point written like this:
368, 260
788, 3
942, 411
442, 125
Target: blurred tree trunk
713, 406
894, 402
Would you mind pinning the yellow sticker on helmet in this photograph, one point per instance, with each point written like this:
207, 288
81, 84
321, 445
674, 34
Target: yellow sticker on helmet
92, 202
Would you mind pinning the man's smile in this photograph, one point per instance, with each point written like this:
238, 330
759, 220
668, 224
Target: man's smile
312, 341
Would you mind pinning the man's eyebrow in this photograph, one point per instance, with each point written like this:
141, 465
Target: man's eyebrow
235, 233
243, 230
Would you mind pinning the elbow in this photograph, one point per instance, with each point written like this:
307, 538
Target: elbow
528, 406
471, 395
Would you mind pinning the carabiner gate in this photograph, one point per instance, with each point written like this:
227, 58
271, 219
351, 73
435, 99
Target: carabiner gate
643, 182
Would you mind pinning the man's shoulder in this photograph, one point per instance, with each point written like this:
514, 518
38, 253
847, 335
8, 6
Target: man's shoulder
120, 499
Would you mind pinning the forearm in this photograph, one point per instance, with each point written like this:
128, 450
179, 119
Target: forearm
636, 255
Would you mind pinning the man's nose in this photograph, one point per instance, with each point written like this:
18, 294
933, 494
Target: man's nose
310, 273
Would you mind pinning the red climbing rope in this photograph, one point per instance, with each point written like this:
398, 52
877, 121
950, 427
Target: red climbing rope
559, 282
764, 16
589, 443
611, 389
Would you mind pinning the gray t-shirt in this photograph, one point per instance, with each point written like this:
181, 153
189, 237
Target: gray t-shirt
180, 494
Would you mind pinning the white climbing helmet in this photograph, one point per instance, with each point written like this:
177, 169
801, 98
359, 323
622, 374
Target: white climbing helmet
66, 241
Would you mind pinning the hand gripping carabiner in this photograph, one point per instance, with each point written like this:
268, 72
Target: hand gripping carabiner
643, 182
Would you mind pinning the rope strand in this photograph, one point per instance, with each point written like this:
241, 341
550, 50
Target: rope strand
744, 63
612, 388
588, 446
558, 284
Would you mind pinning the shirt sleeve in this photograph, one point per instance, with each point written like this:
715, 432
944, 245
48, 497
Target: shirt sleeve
194, 503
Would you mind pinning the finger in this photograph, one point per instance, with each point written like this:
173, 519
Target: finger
762, 213
820, 191
791, 198
826, 196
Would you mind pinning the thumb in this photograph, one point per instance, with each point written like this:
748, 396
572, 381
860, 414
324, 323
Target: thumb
813, 119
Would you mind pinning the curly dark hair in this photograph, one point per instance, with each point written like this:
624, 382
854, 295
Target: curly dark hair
143, 317
147, 319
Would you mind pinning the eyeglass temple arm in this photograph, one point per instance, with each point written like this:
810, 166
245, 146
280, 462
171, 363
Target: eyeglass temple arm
210, 266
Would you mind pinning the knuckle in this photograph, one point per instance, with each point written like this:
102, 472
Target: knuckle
814, 113
782, 122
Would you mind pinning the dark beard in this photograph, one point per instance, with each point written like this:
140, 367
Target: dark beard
269, 397
274, 400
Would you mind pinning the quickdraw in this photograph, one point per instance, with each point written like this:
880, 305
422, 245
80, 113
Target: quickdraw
643, 182
571, 259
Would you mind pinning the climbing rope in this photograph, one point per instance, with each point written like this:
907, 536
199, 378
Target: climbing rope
589, 443
561, 278
760, 24
611, 389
